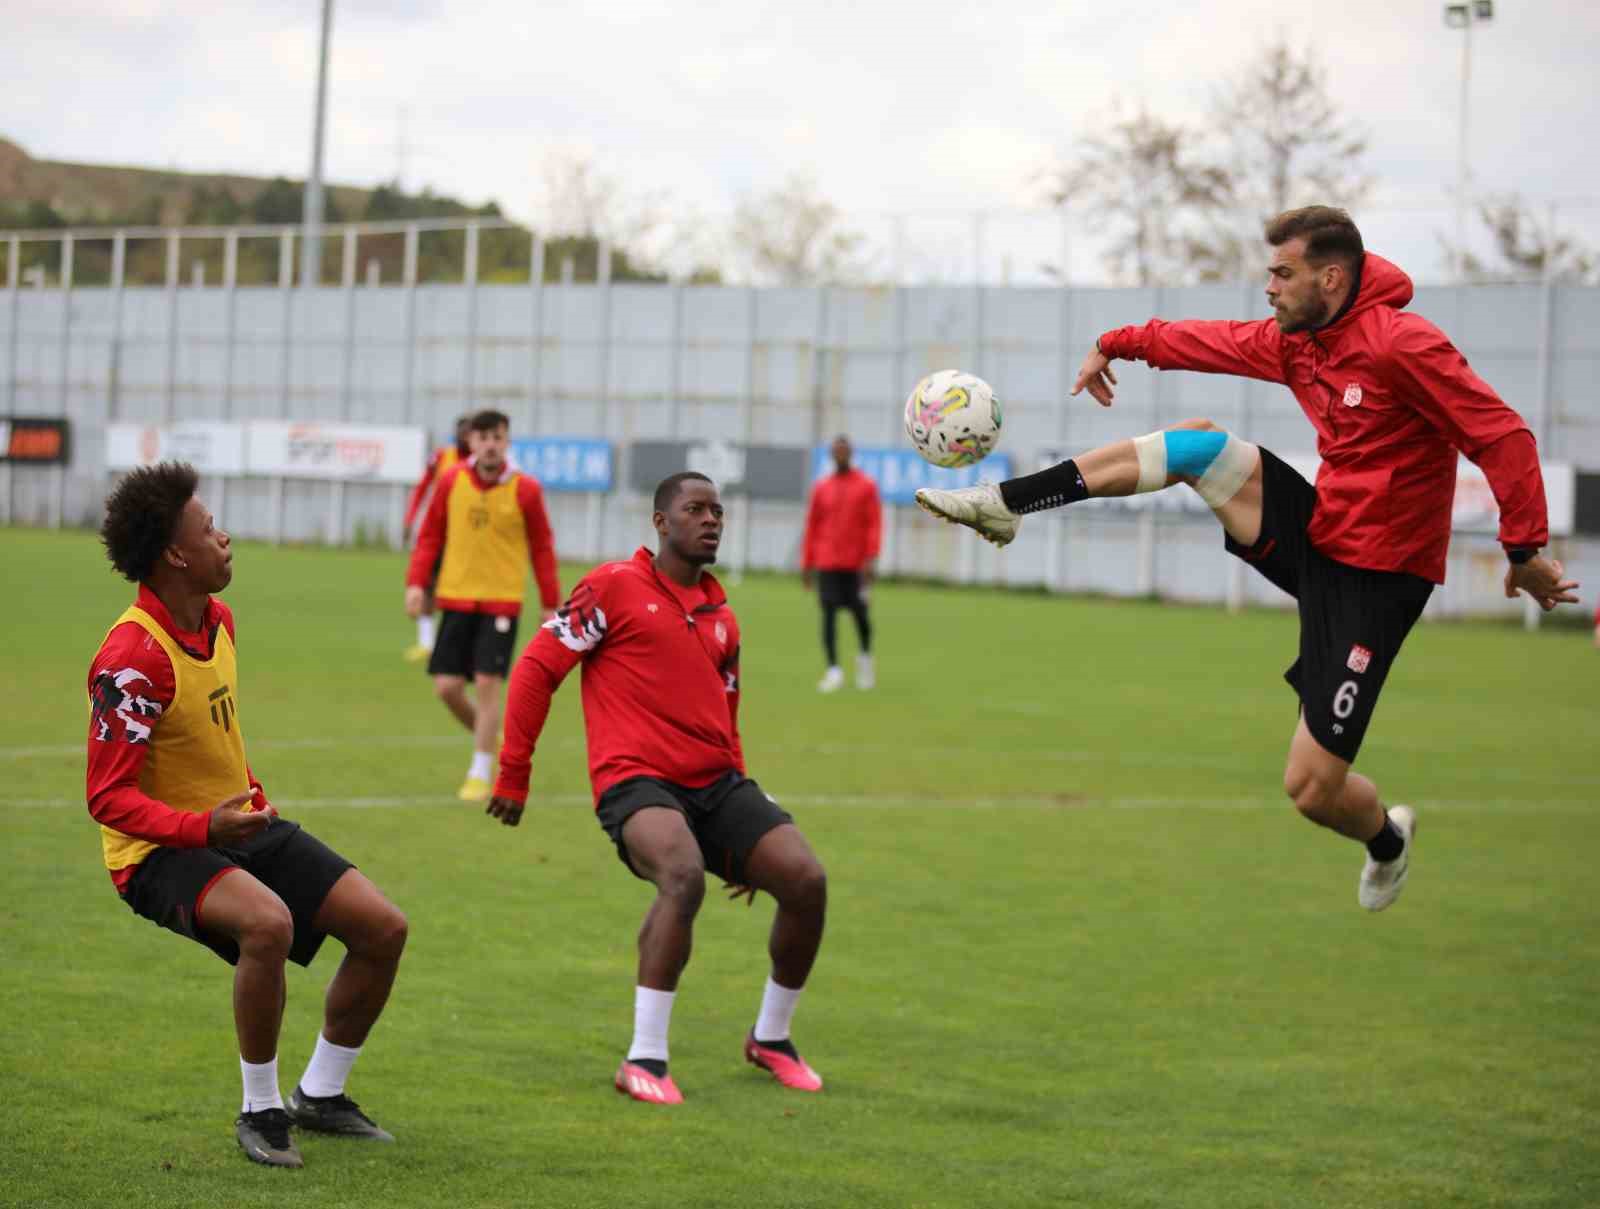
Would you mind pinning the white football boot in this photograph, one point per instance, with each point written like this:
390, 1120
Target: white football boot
866, 674
832, 680
979, 508
1382, 881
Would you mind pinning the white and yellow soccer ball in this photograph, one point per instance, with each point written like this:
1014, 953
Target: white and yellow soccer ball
953, 418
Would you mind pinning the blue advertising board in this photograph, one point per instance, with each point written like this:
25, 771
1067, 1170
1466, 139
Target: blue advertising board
899, 472
565, 463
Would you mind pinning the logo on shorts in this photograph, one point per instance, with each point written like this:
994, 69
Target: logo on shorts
502, 624
1352, 395
1359, 658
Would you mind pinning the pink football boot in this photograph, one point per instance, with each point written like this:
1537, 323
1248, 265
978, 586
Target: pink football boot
633, 1080
790, 1071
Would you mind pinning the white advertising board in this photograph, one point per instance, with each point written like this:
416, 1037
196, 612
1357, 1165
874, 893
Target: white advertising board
210, 446
349, 452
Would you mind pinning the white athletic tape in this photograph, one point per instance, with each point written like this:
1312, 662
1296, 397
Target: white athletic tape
1152, 451
1229, 472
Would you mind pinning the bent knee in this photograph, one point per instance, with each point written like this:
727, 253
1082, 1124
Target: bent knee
269, 933
387, 938
684, 884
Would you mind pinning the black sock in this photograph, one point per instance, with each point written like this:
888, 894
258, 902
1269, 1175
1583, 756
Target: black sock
784, 1047
1051, 488
655, 1066
1387, 844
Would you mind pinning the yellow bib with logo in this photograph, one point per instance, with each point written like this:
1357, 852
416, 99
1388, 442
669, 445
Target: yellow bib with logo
485, 544
196, 756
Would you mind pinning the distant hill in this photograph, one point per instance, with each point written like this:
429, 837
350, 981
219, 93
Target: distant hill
50, 194
94, 194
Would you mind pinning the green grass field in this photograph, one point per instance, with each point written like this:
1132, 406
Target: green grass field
1080, 949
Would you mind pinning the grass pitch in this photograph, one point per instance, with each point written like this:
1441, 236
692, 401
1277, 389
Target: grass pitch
1080, 949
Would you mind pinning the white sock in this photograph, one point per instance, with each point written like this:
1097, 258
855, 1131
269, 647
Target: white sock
652, 1016
260, 1085
777, 1011
425, 630
482, 766
328, 1069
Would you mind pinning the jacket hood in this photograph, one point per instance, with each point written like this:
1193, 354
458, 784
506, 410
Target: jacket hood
1382, 284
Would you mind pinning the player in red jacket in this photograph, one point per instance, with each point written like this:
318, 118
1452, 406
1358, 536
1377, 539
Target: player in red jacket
660, 653
844, 526
1392, 402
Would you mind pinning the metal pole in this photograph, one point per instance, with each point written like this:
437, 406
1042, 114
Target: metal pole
311, 246
286, 291
470, 385
58, 497
536, 352
674, 386
1461, 151
13, 295
169, 399
408, 351
230, 317
119, 273
347, 281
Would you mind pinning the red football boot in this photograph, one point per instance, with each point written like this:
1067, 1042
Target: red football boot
633, 1080
791, 1071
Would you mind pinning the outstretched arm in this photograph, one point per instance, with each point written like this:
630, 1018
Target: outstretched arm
578, 627
1249, 350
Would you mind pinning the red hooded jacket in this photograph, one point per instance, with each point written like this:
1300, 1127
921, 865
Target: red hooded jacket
660, 680
844, 523
1392, 402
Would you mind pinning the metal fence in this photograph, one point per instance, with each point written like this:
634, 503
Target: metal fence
629, 362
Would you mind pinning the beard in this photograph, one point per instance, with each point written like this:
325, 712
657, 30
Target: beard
1308, 317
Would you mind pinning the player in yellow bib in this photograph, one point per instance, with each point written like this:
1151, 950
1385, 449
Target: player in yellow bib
485, 528
188, 836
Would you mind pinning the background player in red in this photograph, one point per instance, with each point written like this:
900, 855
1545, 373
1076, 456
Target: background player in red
660, 653
844, 526
186, 831
485, 527
443, 459
1392, 402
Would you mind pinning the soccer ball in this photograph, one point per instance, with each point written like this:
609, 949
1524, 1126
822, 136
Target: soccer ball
953, 418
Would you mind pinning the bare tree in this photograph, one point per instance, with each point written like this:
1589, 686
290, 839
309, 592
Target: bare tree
583, 201
1526, 248
793, 236
1139, 180
1283, 144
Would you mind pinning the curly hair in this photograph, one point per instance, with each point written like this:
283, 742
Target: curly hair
142, 514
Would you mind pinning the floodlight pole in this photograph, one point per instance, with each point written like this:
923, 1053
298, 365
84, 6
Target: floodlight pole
311, 242
1463, 16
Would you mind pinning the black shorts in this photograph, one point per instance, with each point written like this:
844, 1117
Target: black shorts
839, 589
1352, 620
727, 817
170, 885
471, 643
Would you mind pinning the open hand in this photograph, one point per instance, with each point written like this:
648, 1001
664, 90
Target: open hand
1095, 374
413, 601
736, 892
1544, 580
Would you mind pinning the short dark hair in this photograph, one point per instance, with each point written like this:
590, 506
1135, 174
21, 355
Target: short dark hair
142, 515
1328, 231
488, 420
667, 490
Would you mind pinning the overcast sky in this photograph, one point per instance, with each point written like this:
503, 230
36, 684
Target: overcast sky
886, 106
